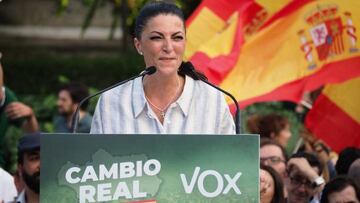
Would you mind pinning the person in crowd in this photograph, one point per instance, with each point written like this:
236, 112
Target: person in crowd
173, 100
346, 158
13, 113
322, 151
7, 187
341, 189
273, 126
354, 171
304, 178
274, 155
69, 97
29, 168
273, 187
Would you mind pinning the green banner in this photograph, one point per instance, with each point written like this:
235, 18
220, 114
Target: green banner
149, 168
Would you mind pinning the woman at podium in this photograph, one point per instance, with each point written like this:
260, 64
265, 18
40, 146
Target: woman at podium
170, 101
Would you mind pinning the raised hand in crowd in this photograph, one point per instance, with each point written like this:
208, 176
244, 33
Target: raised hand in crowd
16, 110
302, 166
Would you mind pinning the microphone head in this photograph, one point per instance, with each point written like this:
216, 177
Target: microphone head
188, 66
150, 70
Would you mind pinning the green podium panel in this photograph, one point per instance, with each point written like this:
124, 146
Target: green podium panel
149, 168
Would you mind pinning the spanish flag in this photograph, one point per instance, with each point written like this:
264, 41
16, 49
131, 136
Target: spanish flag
265, 51
335, 115
217, 30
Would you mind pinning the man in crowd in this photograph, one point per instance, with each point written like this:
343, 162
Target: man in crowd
341, 190
13, 112
29, 168
69, 98
304, 178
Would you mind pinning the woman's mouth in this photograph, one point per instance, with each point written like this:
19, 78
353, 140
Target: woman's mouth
166, 58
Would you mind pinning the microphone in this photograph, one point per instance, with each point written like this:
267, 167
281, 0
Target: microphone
75, 118
188, 67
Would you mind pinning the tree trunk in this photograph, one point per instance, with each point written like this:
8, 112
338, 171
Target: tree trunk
124, 14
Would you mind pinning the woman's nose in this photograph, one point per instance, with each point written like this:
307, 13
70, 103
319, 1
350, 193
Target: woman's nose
167, 47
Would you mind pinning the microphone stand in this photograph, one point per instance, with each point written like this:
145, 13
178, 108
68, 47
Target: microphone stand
75, 118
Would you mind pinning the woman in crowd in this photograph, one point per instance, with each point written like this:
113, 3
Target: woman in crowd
272, 186
173, 99
273, 126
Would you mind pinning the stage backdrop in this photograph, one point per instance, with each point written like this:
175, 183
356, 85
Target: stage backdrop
149, 168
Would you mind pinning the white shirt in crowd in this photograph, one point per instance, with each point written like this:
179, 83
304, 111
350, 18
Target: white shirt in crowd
8, 190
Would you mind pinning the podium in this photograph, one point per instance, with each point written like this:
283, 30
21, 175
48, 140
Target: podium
149, 168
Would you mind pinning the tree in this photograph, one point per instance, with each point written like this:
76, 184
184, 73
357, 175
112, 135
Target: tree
124, 11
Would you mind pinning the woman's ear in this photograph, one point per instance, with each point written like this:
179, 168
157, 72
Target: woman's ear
138, 46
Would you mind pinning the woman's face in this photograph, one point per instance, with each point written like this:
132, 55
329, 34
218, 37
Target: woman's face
163, 43
268, 194
283, 136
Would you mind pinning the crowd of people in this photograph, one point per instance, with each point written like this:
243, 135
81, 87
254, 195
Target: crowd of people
176, 95
24, 185
313, 173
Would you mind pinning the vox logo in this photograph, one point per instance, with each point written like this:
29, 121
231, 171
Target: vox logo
199, 178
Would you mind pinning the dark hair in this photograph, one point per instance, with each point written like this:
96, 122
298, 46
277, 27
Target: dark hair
278, 185
346, 158
336, 185
272, 123
154, 9
77, 93
311, 158
267, 124
267, 141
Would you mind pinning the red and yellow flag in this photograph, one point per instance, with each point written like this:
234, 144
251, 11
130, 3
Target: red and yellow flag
335, 116
217, 30
261, 51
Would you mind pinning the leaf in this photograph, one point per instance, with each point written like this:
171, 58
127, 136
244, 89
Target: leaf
63, 79
63, 4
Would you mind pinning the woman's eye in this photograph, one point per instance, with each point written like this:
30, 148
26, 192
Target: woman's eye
155, 38
178, 38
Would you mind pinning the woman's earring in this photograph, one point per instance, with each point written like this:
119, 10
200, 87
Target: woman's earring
140, 52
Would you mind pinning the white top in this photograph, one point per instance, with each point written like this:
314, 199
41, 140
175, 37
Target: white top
201, 109
7, 187
21, 198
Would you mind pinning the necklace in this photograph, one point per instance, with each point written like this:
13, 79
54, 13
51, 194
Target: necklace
163, 110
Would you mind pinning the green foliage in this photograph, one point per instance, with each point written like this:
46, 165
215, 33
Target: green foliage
9, 145
43, 74
36, 78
